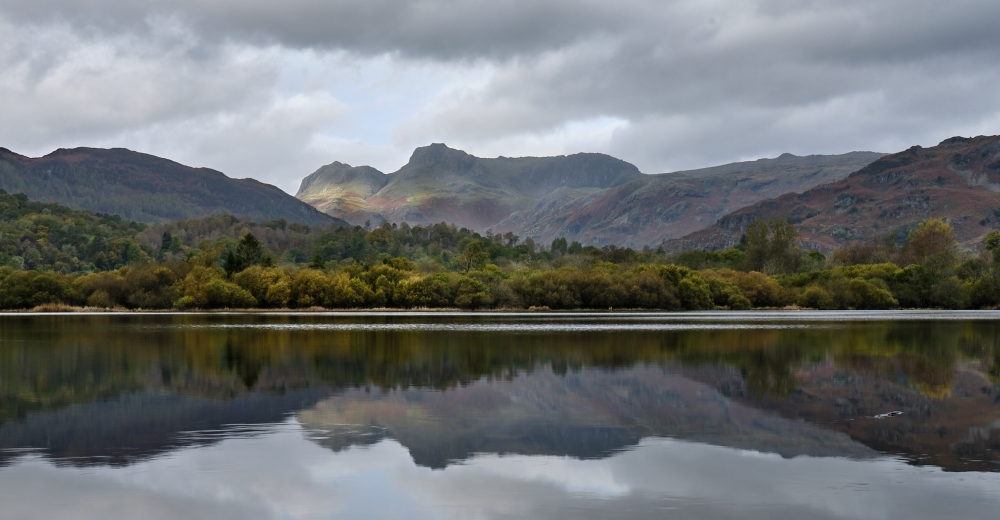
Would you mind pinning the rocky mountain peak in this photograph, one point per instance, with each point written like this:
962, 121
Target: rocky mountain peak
438, 155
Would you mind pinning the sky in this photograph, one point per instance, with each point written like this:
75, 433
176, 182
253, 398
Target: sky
273, 90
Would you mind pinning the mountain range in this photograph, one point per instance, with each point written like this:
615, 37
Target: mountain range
146, 188
958, 180
592, 198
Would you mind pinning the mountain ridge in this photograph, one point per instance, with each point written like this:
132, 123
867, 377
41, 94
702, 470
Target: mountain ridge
593, 198
146, 188
443, 184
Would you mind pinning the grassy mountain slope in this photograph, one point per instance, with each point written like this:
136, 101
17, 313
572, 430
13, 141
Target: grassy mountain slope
958, 180
593, 198
145, 188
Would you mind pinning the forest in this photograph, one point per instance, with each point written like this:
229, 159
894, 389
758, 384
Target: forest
53, 256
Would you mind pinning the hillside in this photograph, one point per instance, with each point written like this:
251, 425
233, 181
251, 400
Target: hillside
145, 188
592, 198
957, 180
50, 237
655, 207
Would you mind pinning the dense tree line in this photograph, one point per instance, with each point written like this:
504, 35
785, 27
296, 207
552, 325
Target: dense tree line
49, 237
51, 254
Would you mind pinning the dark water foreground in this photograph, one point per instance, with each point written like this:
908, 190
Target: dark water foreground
714, 415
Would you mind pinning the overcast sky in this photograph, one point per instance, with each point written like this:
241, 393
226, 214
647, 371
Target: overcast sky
273, 90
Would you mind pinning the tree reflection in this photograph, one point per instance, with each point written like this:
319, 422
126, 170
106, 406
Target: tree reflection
49, 362
835, 374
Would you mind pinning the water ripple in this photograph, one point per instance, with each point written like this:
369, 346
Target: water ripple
487, 327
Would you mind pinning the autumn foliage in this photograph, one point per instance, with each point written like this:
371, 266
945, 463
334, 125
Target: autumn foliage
52, 255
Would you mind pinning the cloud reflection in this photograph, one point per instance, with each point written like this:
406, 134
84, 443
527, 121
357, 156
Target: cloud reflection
285, 475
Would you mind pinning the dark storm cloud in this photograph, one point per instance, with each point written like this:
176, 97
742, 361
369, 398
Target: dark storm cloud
841, 30
440, 29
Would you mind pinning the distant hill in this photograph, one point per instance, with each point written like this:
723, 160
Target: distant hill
958, 180
593, 198
146, 188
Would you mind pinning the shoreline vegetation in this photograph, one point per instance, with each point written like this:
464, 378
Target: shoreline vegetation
61, 308
53, 259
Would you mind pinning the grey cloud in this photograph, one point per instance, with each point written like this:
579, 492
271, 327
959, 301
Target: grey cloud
272, 142
429, 28
763, 78
759, 62
164, 94
693, 82
59, 86
851, 30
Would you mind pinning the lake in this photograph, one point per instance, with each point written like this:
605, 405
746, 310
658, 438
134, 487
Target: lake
878, 415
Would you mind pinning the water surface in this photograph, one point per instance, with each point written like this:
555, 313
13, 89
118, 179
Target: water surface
411, 415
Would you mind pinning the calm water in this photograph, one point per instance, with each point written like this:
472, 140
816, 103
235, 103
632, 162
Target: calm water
429, 416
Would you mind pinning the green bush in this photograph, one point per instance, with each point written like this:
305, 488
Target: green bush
738, 302
648, 290
27, 289
472, 294
223, 294
816, 297
424, 291
871, 295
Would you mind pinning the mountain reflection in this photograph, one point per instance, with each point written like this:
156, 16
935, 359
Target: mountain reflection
114, 389
585, 414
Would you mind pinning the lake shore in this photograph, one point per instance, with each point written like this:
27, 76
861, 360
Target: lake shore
790, 309
63, 308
